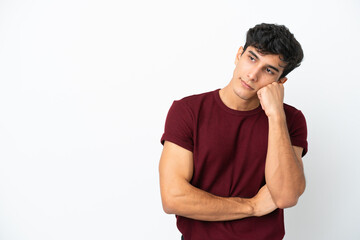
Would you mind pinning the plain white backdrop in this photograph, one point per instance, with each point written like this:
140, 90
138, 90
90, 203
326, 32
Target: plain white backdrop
85, 87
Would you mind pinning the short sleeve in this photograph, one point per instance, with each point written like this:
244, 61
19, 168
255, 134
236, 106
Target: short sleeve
179, 126
298, 132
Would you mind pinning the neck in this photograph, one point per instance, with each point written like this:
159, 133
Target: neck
235, 102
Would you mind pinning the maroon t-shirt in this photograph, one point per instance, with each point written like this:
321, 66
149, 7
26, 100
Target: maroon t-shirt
229, 150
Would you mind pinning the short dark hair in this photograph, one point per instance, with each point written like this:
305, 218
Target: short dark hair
276, 39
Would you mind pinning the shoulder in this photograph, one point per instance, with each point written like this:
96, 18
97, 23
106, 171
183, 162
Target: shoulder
294, 116
195, 101
291, 111
297, 127
290, 108
197, 97
189, 107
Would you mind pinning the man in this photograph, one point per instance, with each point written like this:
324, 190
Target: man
232, 158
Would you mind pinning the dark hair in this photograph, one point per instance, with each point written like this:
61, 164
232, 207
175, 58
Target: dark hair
276, 39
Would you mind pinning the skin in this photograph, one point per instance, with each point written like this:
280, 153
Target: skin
256, 80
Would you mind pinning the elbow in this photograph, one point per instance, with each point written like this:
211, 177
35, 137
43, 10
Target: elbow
167, 209
169, 203
172, 198
168, 206
290, 198
286, 202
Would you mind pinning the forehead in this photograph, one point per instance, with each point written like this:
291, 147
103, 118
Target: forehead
267, 58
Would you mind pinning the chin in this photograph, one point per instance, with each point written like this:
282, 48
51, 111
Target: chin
240, 93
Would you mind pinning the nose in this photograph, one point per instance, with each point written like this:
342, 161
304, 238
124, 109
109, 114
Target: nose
253, 74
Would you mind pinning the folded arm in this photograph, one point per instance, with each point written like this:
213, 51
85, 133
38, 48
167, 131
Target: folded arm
181, 198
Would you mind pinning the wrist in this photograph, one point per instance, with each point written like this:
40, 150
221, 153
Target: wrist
278, 117
253, 204
250, 206
246, 207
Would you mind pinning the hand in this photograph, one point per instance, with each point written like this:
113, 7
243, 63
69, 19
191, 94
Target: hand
271, 99
263, 203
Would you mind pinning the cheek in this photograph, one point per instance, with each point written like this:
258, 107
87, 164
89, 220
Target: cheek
266, 79
245, 67
242, 67
237, 69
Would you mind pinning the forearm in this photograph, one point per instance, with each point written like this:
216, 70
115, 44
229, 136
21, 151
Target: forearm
283, 171
181, 198
197, 204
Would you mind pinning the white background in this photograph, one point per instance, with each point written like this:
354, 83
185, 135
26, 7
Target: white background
85, 87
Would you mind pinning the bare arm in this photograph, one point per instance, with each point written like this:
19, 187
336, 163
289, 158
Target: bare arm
284, 171
181, 198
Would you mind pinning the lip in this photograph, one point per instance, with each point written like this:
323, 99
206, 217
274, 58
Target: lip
245, 85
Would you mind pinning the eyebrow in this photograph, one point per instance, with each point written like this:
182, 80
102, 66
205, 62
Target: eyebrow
256, 56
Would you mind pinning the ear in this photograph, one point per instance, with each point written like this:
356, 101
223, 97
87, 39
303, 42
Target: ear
282, 80
238, 55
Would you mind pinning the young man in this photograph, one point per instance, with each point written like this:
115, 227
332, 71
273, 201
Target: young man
231, 160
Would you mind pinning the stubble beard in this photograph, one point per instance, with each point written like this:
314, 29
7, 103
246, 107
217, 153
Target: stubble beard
242, 93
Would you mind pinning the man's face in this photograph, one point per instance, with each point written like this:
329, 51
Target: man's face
253, 71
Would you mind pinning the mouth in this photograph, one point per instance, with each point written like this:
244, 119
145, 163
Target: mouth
246, 85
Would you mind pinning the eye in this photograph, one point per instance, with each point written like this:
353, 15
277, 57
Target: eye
251, 58
268, 70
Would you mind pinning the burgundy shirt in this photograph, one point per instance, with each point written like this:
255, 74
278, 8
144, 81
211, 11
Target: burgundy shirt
229, 151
